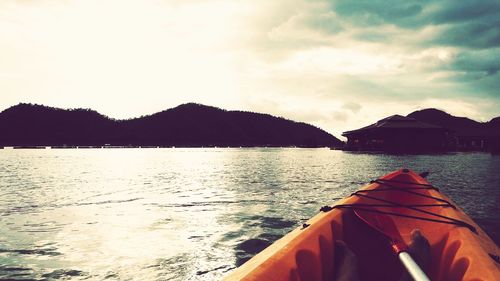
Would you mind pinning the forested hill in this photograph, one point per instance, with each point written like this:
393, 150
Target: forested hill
462, 126
188, 125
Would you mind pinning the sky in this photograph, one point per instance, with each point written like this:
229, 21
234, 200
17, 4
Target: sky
337, 64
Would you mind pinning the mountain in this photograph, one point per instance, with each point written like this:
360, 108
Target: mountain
494, 124
188, 125
495, 120
462, 126
27, 124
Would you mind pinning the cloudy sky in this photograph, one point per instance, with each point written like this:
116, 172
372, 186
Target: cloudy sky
337, 64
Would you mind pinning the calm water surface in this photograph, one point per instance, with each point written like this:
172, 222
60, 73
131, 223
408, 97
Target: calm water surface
191, 214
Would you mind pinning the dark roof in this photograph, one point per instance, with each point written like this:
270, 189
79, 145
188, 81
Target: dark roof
395, 122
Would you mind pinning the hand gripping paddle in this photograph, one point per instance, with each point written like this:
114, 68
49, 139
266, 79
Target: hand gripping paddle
385, 225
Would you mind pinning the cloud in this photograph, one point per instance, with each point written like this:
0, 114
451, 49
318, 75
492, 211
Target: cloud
341, 116
472, 24
464, 11
352, 106
377, 12
476, 35
482, 61
415, 14
478, 70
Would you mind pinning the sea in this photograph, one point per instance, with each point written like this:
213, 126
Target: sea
192, 214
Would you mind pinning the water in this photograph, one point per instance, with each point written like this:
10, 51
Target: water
191, 214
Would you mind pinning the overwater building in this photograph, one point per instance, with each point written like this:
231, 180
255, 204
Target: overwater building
399, 134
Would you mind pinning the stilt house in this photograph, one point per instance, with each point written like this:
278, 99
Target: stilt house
399, 134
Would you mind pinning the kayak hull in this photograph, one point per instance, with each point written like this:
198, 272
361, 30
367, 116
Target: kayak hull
308, 254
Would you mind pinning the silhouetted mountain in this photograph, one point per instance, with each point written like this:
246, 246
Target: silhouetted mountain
494, 123
462, 126
190, 125
27, 124
469, 134
495, 120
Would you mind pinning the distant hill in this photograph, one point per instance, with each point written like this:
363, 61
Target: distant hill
462, 126
494, 124
188, 125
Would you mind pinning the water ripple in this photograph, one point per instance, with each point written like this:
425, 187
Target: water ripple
191, 214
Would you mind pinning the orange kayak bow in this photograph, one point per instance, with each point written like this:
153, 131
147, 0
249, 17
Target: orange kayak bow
460, 249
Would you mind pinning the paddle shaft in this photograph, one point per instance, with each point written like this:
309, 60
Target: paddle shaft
415, 271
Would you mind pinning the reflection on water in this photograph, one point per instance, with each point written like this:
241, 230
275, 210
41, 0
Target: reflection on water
191, 214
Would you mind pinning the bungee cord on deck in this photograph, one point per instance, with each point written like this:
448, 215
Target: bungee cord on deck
391, 204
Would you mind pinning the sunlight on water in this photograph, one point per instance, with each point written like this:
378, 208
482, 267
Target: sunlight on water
190, 214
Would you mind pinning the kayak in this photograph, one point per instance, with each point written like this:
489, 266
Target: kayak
459, 248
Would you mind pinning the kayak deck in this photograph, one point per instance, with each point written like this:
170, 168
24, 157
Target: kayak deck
460, 250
